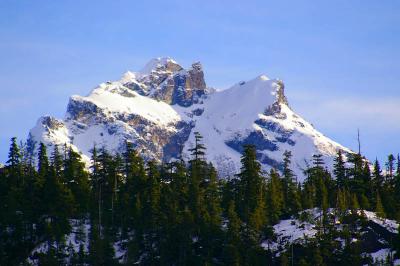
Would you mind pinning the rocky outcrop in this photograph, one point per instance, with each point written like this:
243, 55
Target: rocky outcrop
165, 80
281, 92
51, 123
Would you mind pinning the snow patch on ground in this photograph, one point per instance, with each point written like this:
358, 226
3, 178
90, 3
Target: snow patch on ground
296, 231
390, 225
381, 255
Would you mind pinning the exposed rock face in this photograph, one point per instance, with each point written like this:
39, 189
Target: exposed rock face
159, 108
52, 123
167, 81
281, 92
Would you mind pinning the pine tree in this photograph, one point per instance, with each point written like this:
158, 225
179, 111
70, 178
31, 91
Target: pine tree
96, 180
58, 204
14, 163
197, 181
366, 186
308, 196
341, 202
340, 170
233, 241
318, 162
198, 151
43, 161
252, 189
354, 205
212, 235
364, 202
390, 167
379, 207
76, 179
356, 171
274, 197
43, 172
377, 174
291, 195
152, 208
57, 162
396, 189
213, 198
31, 149
132, 200
322, 195
398, 166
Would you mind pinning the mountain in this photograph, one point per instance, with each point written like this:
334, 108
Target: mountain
160, 107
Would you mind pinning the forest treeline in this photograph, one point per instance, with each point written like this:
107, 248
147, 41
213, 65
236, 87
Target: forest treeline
181, 213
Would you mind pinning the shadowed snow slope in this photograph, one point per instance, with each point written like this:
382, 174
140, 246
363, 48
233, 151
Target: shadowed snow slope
159, 108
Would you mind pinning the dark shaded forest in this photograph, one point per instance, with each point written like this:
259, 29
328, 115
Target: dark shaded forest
181, 213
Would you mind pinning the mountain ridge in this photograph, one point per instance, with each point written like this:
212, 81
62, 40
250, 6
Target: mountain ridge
159, 108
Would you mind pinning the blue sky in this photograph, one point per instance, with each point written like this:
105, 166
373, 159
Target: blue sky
340, 60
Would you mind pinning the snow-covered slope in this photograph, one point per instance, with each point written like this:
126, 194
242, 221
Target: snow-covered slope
160, 107
376, 234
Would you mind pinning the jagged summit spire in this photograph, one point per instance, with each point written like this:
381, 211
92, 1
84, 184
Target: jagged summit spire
165, 63
281, 92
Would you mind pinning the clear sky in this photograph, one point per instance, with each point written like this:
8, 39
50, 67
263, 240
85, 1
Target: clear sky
340, 60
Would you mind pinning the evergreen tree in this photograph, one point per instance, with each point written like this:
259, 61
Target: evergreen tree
57, 162
213, 199
398, 166
291, 195
390, 167
340, 170
308, 195
57, 202
366, 184
43, 161
252, 188
341, 202
379, 207
76, 179
356, 171
377, 174
275, 198
14, 163
198, 151
31, 151
354, 205
233, 242
364, 202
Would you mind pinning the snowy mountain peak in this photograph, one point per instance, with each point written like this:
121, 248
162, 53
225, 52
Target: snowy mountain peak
159, 108
128, 76
275, 87
160, 63
263, 77
165, 80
